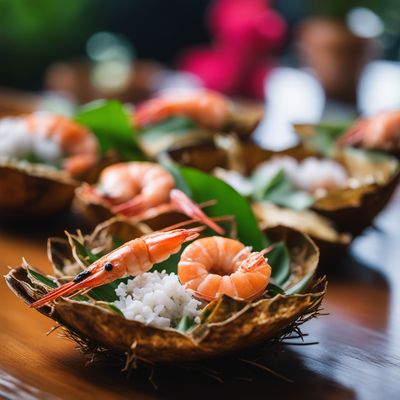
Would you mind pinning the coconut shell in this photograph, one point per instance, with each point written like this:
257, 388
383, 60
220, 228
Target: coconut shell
32, 191
351, 209
230, 327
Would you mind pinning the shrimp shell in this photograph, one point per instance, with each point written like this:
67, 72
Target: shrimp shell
216, 265
144, 184
381, 131
79, 144
207, 108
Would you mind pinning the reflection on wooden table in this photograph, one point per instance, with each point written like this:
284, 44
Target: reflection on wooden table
358, 355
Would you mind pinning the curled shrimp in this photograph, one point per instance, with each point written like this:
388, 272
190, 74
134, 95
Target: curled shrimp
381, 131
132, 258
77, 142
134, 188
216, 265
207, 108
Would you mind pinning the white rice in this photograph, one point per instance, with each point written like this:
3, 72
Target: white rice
310, 174
233, 178
156, 299
16, 142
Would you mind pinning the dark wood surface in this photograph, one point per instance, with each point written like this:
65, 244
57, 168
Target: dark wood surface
358, 355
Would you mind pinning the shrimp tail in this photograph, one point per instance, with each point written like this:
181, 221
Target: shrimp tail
129, 208
162, 244
184, 204
354, 135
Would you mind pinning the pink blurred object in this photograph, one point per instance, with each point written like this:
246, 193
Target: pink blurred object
252, 84
247, 23
217, 67
246, 32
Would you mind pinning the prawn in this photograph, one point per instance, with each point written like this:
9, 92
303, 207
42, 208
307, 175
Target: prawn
381, 131
216, 265
132, 188
205, 107
132, 258
77, 142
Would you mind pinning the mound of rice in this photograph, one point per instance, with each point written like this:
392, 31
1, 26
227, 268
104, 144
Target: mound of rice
157, 299
16, 142
310, 174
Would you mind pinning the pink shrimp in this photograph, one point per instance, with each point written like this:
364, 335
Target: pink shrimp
216, 265
132, 188
132, 258
207, 108
79, 144
381, 131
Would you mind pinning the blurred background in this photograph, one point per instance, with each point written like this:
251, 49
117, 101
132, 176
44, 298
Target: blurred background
304, 55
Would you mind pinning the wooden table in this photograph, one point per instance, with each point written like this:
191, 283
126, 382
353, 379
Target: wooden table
358, 355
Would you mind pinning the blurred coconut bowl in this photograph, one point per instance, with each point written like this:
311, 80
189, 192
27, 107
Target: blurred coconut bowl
373, 177
380, 166
33, 191
159, 138
227, 326
15, 102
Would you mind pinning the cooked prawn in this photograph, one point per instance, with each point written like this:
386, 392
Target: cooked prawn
132, 188
216, 265
132, 258
381, 131
207, 108
77, 142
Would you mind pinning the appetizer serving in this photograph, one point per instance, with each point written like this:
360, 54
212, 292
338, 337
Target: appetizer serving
349, 188
378, 132
187, 114
111, 290
140, 191
41, 155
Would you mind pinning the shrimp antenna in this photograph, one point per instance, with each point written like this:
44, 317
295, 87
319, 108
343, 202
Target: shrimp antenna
178, 225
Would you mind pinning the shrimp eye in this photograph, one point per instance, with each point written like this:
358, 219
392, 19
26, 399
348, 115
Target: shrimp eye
108, 267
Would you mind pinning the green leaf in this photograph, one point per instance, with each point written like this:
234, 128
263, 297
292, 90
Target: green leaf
82, 252
263, 186
36, 276
109, 306
221, 309
172, 125
205, 187
300, 286
326, 136
279, 260
112, 125
273, 290
185, 324
173, 169
169, 265
106, 292
100, 293
158, 137
280, 191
